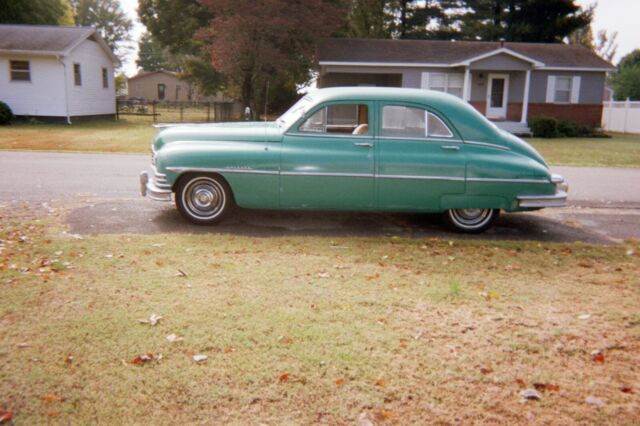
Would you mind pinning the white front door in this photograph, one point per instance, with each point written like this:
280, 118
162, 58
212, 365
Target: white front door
497, 96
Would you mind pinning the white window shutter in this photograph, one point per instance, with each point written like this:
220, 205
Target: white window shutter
551, 89
575, 90
424, 81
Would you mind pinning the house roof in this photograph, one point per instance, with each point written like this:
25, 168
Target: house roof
144, 73
454, 53
47, 39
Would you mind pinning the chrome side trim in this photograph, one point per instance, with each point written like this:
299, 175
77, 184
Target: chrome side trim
488, 145
329, 135
414, 177
221, 170
507, 180
358, 175
425, 139
559, 199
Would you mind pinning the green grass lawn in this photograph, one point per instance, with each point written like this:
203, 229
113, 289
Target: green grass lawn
622, 150
306, 330
134, 134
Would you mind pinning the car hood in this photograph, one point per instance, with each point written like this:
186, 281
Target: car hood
246, 131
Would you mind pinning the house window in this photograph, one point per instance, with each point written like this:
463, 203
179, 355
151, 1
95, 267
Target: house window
161, 91
446, 82
20, 70
77, 75
339, 118
105, 78
400, 121
563, 90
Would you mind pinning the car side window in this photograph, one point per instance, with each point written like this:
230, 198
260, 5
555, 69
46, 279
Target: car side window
350, 119
405, 121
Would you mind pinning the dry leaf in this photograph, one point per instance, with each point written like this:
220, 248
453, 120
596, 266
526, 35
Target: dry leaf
323, 275
592, 400
68, 359
626, 389
584, 316
52, 398
153, 319
200, 358
340, 382
380, 382
283, 378
531, 394
546, 386
597, 357
23, 345
5, 416
142, 359
181, 273
486, 370
173, 338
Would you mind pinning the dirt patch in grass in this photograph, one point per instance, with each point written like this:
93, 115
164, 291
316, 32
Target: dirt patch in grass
306, 330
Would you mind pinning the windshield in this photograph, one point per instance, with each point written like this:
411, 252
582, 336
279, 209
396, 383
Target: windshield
293, 113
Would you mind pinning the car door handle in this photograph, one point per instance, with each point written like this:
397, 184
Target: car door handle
363, 144
450, 147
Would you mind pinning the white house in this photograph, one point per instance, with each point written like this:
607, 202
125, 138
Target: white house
56, 73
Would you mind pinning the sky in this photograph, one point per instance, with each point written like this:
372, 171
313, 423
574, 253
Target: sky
611, 15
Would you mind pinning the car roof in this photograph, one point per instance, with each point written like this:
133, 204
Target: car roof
381, 94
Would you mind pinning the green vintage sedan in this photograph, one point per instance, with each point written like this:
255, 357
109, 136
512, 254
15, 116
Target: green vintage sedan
359, 149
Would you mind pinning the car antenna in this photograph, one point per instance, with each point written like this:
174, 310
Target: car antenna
266, 101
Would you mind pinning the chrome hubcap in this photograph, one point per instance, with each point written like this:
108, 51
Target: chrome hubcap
204, 198
471, 217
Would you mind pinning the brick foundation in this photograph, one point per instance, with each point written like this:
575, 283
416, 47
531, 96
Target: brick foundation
582, 114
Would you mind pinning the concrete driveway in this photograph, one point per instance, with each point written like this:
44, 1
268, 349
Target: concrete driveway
103, 192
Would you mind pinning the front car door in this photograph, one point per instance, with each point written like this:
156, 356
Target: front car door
327, 159
420, 158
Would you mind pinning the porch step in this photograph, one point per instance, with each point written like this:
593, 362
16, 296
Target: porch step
515, 127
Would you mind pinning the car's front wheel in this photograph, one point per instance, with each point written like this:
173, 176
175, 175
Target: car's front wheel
471, 221
203, 199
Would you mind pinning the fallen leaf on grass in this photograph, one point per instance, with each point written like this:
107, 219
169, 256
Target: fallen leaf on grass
173, 338
68, 359
486, 370
584, 316
142, 359
23, 345
597, 357
181, 273
52, 398
626, 389
380, 382
283, 378
285, 340
323, 275
546, 387
340, 382
153, 319
5, 416
531, 394
200, 358
592, 400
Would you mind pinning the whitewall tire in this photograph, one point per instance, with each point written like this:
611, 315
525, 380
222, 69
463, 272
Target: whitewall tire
471, 221
203, 199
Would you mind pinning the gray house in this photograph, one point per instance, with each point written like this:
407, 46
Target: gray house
507, 82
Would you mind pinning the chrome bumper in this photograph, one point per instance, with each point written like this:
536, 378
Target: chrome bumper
559, 199
149, 188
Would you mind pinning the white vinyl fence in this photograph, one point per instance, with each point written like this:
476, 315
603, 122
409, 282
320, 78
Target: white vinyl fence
621, 117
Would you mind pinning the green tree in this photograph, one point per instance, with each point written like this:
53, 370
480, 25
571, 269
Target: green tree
367, 19
174, 25
108, 18
36, 12
541, 21
153, 57
626, 79
421, 19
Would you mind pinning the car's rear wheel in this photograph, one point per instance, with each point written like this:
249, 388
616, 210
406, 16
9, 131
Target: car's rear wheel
203, 199
471, 221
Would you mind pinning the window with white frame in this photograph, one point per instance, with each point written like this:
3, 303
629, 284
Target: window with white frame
452, 83
20, 70
562, 93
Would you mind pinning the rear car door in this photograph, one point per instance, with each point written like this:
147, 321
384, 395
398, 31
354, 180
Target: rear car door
420, 158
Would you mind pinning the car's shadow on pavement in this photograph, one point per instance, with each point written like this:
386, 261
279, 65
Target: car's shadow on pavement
144, 217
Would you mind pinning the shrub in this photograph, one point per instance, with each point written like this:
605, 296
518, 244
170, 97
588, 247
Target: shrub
544, 127
570, 129
6, 115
